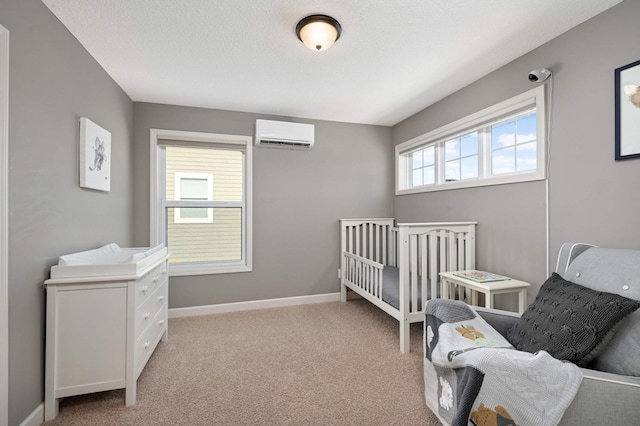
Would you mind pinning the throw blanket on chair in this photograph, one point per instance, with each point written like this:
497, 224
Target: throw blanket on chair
473, 376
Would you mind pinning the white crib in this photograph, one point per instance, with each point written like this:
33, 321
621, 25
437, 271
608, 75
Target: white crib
396, 267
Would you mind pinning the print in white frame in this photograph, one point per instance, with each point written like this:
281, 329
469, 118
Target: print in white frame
95, 156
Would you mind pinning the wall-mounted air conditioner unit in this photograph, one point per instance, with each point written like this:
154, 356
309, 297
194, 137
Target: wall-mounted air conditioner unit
283, 134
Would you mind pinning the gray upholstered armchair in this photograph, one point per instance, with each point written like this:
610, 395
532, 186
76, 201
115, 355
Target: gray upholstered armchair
610, 389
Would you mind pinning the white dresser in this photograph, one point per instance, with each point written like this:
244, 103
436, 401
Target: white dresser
104, 321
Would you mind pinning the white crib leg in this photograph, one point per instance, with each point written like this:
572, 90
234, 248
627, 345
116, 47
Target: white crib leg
343, 292
405, 339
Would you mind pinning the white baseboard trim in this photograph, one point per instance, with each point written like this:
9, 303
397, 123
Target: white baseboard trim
253, 304
36, 418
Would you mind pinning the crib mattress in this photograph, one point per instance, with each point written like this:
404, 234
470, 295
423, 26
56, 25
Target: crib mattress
391, 288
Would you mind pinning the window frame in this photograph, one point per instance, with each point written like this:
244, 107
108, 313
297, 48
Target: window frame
532, 99
157, 216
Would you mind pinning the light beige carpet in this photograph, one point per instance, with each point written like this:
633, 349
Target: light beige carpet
323, 364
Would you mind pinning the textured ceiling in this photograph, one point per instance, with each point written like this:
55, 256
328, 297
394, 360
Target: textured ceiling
394, 58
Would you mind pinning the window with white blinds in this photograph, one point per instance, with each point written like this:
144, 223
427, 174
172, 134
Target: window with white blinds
203, 201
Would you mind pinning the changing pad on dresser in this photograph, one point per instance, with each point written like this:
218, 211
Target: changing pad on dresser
108, 260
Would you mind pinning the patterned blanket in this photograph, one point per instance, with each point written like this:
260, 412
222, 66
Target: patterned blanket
473, 376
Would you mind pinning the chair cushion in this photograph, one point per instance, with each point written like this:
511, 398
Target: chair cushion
620, 354
568, 320
616, 271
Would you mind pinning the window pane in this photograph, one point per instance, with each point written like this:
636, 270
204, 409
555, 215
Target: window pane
417, 178
429, 175
194, 189
219, 240
526, 156
416, 159
469, 144
226, 167
452, 171
452, 149
503, 161
503, 134
193, 213
526, 127
429, 156
469, 168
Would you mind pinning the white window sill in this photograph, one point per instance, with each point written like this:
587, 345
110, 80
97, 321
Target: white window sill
473, 183
178, 270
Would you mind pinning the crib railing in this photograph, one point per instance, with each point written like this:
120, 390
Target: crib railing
372, 239
364, 273
425, 250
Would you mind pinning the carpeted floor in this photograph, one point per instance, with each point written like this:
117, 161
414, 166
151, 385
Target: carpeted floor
323, 364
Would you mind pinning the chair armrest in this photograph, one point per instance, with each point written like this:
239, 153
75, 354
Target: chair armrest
603, 397
501, 321
603, 377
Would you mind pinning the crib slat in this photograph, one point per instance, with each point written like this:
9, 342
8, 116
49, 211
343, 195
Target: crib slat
372, 287
413, 271
443, 256
424, 272
372, 241
471, 249
393, 256
367, 277
378, 238
350, 239
385, 230
433, 260
461, 259
451, 257
452, 263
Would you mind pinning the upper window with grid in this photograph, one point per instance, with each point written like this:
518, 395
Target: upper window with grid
502, 144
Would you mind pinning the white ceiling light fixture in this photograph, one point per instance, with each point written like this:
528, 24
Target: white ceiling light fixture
318, 32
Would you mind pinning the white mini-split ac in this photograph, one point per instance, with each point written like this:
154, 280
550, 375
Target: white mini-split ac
283, 134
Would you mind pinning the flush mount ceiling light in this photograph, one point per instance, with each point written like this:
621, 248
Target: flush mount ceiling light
318, 32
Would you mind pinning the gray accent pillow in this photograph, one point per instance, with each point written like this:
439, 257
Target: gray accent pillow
568, 320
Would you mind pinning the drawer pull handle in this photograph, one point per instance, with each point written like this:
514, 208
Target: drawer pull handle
161, 322
155, 280
147, 344
144, 289
147, 316
160, 298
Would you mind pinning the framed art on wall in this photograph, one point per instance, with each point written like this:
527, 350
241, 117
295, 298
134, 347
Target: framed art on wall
627, 98
95, 156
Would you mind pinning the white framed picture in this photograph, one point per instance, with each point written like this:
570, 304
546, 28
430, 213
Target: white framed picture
95, 156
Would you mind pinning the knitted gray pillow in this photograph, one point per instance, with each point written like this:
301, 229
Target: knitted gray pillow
568, 320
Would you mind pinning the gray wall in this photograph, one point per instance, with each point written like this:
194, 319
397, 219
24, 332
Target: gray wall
298, 198
592, 197
52, 82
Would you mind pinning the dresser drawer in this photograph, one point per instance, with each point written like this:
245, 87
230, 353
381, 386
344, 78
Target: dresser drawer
148, 284
147, 342
146, 312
